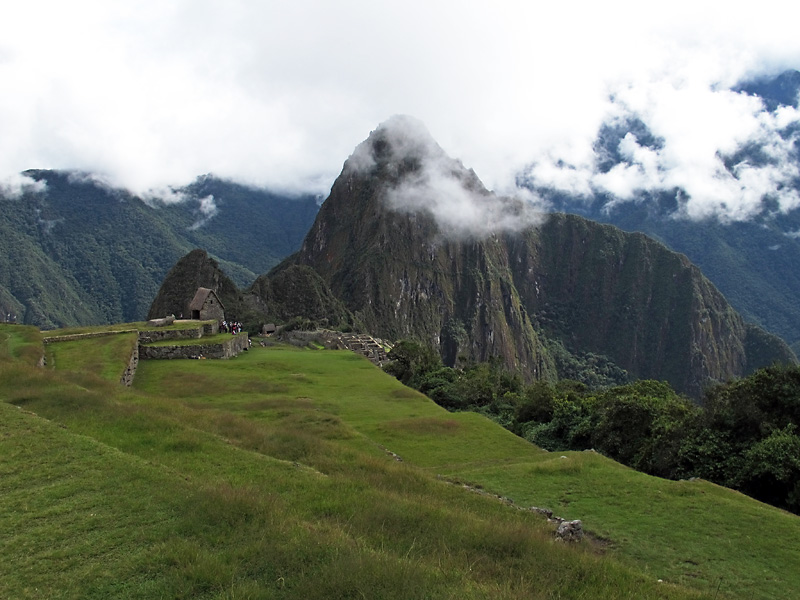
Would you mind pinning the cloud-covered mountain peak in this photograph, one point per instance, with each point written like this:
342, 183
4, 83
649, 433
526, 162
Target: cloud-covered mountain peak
402, 143
417, 176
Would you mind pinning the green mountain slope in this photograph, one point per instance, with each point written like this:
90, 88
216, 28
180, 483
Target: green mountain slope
270, 476
192, 271
82, 253
752, 263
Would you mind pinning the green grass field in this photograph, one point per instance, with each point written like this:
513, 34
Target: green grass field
117, 327
270, 476
20, 344
105, 356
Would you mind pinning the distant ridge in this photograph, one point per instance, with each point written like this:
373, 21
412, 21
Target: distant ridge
78, 252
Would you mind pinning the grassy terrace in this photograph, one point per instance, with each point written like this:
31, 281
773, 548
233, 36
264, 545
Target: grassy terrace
120, 327
268, 476
19, 343
105, 356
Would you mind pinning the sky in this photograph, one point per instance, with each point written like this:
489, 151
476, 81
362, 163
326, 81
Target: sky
151, 94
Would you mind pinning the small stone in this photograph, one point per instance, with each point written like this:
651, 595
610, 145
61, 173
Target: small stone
570, 531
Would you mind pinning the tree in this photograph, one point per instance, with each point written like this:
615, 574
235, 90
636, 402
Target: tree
771, 469
411, 361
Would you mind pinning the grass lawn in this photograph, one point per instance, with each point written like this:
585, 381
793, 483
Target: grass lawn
20, 343
690, 532
693, 533
268, 476
116, 327
106, 356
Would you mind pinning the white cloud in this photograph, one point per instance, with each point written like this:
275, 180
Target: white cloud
154, 93
206, 208
699, 127
429, 181
13, 186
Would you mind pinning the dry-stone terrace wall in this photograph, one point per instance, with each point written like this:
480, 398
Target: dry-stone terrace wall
226, 349
47, 339
130, 370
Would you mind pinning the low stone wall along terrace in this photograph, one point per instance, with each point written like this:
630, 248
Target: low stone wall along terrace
226, 349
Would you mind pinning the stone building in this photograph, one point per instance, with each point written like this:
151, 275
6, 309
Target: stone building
206, 306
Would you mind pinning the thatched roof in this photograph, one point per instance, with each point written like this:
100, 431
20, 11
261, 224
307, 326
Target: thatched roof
200, 298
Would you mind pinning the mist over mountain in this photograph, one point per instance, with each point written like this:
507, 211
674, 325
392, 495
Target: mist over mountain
526, 293
77, 251
740, 226
414, 245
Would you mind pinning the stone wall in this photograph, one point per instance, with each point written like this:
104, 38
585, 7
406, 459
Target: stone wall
226, 349
239, 343
130, 370
366, 345
148, 337
162, 322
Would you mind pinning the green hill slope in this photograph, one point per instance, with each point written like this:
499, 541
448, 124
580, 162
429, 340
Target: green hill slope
270, 476
80, 253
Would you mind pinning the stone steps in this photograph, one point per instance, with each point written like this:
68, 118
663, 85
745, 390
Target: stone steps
372, 348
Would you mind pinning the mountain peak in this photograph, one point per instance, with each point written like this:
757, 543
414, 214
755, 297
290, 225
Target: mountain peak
414, 175
401, 139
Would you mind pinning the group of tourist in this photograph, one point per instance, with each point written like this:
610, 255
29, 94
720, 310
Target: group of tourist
233, 327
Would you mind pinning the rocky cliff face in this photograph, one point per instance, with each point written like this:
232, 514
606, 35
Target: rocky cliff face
405, 273
627, 296
415, 246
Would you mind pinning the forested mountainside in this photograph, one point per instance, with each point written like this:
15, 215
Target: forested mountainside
503, 285
75, 251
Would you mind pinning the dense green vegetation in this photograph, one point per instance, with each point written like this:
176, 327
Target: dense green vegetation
745, 436
81, 253
268, 476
